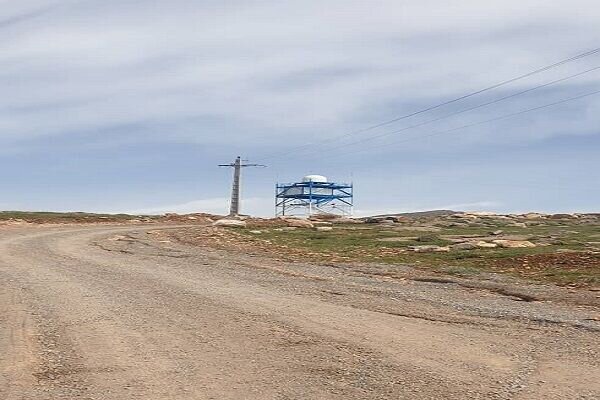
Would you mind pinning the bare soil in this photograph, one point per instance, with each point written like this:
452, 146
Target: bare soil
130, 312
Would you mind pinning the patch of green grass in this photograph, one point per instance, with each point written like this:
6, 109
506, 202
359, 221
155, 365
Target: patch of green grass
566, 277
362, 243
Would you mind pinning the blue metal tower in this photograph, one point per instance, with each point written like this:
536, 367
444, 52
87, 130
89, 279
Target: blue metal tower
314, 195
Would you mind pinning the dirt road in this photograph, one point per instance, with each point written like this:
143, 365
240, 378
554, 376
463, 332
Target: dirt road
121, 313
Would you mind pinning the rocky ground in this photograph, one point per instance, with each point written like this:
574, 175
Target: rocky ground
25, 218
562, 248
151, 311
559, 248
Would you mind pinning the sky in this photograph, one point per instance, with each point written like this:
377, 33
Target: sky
130, 105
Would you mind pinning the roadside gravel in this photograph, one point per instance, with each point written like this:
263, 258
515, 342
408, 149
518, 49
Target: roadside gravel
119, 312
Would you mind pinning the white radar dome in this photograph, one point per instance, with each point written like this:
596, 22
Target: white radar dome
315, 178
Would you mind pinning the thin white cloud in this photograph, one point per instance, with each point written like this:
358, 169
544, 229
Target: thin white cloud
88, 80
95, 65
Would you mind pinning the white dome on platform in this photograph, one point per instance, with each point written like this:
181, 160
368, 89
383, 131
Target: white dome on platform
315, 178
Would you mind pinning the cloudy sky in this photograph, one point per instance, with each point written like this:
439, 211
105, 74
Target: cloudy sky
129, 105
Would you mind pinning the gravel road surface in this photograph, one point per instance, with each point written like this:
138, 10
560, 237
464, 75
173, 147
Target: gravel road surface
124, 312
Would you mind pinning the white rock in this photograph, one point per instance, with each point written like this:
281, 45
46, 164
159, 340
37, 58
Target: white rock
299, 223
230, 223
481, 213
568, 251
321, 223
429, 249
534, 216
513, 243
486, 245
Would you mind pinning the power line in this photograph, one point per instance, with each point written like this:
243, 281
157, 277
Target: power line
462, 111
476, 123
431, 108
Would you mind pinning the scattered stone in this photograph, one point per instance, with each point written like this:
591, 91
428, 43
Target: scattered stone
464, 246
429, 249
256, 232
481, 213
533, 216
456, 240
563, 216
519, 225
397, 218
234, 223
509, 244
486, 245
498, 232
299, 223
321, 223
567, 251
324, 228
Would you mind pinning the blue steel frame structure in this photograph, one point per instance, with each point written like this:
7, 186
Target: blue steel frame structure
308, 198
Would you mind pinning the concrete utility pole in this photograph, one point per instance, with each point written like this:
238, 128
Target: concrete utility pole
235, 188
